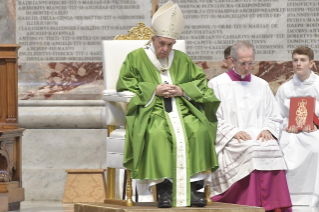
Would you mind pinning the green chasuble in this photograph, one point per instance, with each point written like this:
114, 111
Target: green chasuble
173, 145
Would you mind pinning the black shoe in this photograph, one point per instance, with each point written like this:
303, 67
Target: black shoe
197, 198
165, 200
164, 194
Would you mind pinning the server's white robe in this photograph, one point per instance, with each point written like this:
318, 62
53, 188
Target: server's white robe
250, 107
301, 151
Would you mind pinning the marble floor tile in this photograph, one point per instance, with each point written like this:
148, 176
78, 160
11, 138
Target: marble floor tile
55, 206
304, 209
45, 206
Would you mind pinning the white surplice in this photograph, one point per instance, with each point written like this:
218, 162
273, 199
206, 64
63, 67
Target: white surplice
301, 151
250, 107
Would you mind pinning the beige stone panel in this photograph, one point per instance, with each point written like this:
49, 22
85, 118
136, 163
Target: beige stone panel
84, 186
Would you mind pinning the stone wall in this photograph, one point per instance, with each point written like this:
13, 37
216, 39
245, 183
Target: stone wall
61, 107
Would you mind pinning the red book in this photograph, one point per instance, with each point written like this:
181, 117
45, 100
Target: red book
302, 112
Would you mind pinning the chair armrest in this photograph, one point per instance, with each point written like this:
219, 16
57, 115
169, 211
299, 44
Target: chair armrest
114, 96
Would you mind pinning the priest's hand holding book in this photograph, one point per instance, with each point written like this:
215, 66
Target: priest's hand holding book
307, 128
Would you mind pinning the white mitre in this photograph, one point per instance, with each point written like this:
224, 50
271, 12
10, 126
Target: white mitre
168, 21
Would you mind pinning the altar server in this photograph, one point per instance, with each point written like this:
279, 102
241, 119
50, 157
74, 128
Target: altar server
301, 148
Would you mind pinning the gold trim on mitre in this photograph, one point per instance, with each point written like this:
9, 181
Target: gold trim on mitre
168, 21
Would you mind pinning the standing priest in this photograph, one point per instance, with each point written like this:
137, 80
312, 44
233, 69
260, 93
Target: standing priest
251, 163
171, 122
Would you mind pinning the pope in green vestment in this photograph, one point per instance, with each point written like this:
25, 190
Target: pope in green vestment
171, 121
151, 148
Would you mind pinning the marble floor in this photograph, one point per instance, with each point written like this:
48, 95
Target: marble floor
51, 206
45, 206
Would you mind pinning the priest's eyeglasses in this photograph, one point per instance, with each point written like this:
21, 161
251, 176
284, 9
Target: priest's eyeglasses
249, 64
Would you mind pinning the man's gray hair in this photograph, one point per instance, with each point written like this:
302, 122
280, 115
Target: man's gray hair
240, 45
